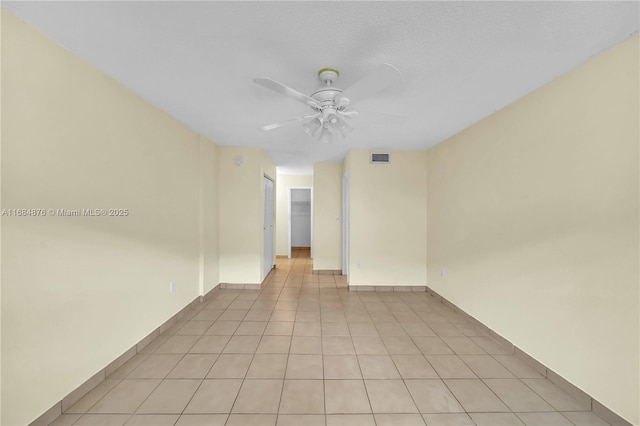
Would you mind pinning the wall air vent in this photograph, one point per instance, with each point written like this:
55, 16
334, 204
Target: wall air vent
379, 158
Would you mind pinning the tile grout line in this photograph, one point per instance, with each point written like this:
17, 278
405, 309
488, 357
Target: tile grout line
288, 354
204, 377
219, 355
324, 385
364, 383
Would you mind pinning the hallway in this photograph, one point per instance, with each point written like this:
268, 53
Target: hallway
305, 350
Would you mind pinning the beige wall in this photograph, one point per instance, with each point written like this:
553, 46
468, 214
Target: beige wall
533, 215
282, 207
79, 291
387, 222
241, 213
327, 216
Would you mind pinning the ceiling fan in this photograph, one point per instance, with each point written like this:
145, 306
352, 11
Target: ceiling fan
331, 107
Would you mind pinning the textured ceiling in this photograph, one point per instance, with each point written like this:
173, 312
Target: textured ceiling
460, 61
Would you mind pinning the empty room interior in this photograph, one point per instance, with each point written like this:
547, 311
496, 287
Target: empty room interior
320, 213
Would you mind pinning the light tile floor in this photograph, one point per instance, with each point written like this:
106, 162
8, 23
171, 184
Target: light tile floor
304, 350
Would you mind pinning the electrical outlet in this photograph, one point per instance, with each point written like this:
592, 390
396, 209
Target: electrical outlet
172, 287
358, 265
442, 272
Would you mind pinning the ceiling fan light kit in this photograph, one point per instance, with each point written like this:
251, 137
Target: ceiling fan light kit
332, 107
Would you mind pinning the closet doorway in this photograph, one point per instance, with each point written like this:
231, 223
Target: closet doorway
300, 218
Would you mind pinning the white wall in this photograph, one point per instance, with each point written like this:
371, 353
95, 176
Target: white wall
387, 222
285, 182
327, 216
241, 213
77, 292
533, 214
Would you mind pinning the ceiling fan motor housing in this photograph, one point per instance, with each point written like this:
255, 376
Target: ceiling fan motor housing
326, 98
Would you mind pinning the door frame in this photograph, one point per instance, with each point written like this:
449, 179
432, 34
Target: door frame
310, 188
272, 207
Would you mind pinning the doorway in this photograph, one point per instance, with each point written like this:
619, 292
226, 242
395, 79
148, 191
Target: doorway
345, 224
300, 218
268, 227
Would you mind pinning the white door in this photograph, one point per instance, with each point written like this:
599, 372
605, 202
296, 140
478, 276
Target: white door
268, 226
345, 224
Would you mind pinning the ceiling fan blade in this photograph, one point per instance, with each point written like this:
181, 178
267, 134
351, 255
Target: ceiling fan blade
381, 78
381, 113
342, 102
286, 91
349, 113
290, 121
